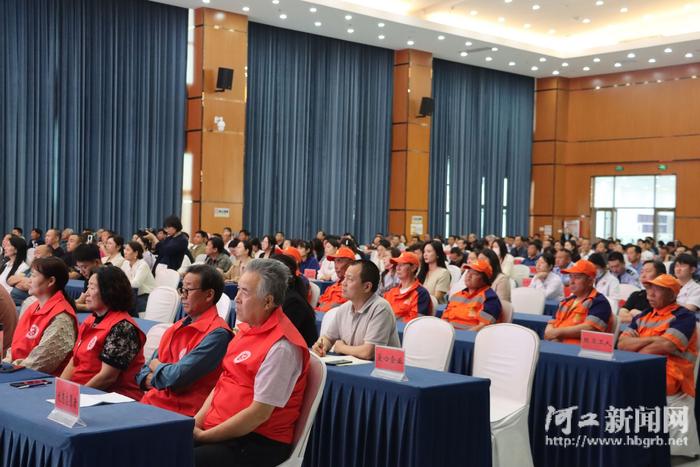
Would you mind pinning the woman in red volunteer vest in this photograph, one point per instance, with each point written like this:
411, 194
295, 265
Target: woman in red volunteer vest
109, 349
408, 299
46, 332
250, 416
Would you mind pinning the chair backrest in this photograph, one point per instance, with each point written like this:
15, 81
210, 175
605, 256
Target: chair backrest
457, 286
668, 266
186, 263
519, 272
697, 360
506, 311
434, 302
153, 338
614, 305
328, 318
223, 306
528, 300
26, 303
200, 259
30, 256
455, 272
167, 278
315, 293
162, 305
315, 384
507, 355
616, 329
625, 290
428, 342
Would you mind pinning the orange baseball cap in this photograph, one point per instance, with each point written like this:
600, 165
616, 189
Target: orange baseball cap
406, 258
343, 252
481, 266
667, 281
582, 266
292, 253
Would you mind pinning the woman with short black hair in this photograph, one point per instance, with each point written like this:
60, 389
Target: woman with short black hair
173, 248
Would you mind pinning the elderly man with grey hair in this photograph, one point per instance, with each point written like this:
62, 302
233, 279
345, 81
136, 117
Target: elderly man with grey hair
250, 416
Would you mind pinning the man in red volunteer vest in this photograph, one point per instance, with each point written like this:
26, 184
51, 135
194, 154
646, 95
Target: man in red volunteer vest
409, 298
183, 371
333, 295
109, 351
477, 305
250, 416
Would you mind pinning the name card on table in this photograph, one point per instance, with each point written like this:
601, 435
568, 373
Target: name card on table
310, 273
389, 363
67, 404
597, 345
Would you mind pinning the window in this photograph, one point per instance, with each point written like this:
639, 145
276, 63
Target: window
505, 207
483, 207
633, 207
447, 202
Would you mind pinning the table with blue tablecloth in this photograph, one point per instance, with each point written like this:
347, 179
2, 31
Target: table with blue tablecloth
537, 323
433, 419
25, 374
130, 434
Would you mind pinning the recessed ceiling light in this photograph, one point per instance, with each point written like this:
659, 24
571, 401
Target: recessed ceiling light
689, 55
441, 38
468, 44
624, 9
555, 72
597, 88
508, 1
694, 77
652, 60
488, 59
283, 16
511, 63
410, 42
313, 9
565, 64
658, 80
348, 17
494, 49
617, 65
473, 12
381, 37
596, 60
501, 19
599, 3
586, 20
246, 9
552, 31
463, 53
631, 55
206, 1
350, 30
534, 68
668, 50
276, 2
380, 25
527, 25
627, 84
586, 68
535, 7
542, 59
317, 24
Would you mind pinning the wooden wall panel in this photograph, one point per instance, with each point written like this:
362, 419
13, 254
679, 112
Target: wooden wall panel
418, 137
545, 120
217, 224
543, 190
417, 180
397, 181
222, 167
543, 152
232, 111
400, 101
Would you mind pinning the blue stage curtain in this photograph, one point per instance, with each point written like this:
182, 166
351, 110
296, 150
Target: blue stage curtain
482, 128
318, 134
109, 118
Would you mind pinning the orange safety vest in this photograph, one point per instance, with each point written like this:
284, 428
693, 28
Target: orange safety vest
332, 297
467, 309
573, 312
405, 305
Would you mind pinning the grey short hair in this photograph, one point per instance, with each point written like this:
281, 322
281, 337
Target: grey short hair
274, 277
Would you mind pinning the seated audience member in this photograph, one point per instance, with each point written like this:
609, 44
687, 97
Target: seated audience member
227, 237
65, 234
519, 249
500, 282
21, 282
684, 269
533, 253
15, 252
184, 369
216, 256
623, 273
666, 328
171, 250
148, 257
388, 278
109, 351
477, 305
584, 250
326, 270
333, 295
36, 237
585, 309
456, 257
295, 306
113, 251
53, 239
267, 247
506, 259
433, 272
250, 416
409, 299
46, 332
308, 260
605, 282
416, 249
634, 256
546, 280
199, 243
73, 241
8, 319
87, 258
563, 260
362, 322
242, 254
637, 301
139, 274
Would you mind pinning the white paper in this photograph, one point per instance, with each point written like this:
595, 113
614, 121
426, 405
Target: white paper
89, 400
350, 358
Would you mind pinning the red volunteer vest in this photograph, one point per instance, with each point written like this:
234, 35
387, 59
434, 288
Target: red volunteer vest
177, 342
405, 305
86, 354
333, 295
32, 324
234, 391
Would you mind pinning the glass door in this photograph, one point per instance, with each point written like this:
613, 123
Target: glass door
604, 223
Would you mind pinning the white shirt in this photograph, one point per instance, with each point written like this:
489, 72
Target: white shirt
689, 294
552, 286
5, 272
116, 260
140, 276
507, 264
327, 269
608, 285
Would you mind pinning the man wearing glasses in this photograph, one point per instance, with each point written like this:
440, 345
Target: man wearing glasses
183, 371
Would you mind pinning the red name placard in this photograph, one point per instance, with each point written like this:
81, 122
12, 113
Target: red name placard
310, 273
389, 359
597, 341
68, 397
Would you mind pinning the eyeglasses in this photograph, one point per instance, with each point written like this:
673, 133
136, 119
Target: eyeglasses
185, 292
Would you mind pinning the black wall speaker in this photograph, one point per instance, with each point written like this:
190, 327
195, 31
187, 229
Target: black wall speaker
224, 79
426, 107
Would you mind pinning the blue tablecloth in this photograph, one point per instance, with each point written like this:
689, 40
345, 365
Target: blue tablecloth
24, 374
535, 322
323, 285
433, 419
120, 435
